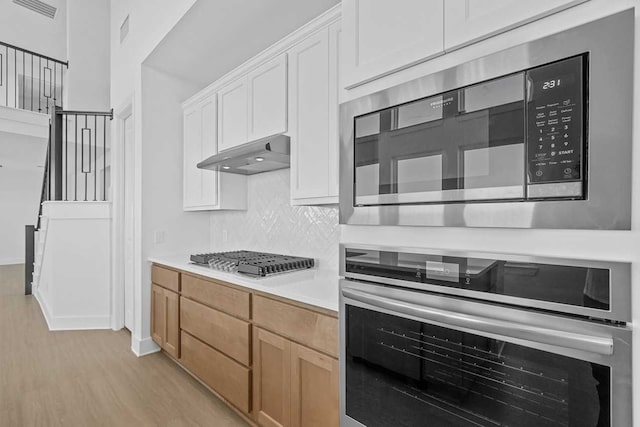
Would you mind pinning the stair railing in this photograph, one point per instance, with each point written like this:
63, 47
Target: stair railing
29, 80
77, 166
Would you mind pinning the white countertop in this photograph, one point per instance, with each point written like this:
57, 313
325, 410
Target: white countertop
313, 286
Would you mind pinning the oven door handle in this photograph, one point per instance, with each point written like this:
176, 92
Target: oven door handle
565, 339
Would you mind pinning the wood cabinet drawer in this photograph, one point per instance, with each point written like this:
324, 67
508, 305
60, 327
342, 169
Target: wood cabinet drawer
166, 278
227, 377
218, 296
304, 326
221, 331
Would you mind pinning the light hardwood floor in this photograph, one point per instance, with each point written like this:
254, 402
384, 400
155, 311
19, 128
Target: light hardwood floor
89, 378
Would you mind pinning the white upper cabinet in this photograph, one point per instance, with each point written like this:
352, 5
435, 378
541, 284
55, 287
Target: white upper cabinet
232, 114
467, 21
204, 189
208, 109
267, 92
192, 155
313, 113
199, 143
382, 36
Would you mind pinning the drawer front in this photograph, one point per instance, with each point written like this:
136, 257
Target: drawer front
230, 379
221, 331
220, 297
313, 329
166, 278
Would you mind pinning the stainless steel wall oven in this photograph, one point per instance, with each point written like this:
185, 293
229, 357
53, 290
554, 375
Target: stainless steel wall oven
446, 338
526, 137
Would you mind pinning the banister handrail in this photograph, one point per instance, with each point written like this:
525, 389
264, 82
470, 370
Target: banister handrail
86, 113
30, 52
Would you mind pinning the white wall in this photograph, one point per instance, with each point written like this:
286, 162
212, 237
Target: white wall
89, 51
149, 23
30, 30
271, 224
605, 245
19, 197
73, 289
161, 185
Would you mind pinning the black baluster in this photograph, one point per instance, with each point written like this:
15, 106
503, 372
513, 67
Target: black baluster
31, 102
15, 79
104, 158
75, 171
39, 81
23, 91
55, 102
66, 157
62, 86
95, 158
85, 174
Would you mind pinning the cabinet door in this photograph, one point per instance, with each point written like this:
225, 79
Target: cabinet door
383, 36
172, 323
314, 388
208, 147
200, 186
467, 21
192, 140
267, 86
313, 113
232, 114
158, 319
271, 379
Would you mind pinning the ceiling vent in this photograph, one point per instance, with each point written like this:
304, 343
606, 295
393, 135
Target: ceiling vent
38, 6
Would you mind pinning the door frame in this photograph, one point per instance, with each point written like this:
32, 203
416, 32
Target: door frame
118, 151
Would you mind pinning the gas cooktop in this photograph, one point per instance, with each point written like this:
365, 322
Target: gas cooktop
257, 264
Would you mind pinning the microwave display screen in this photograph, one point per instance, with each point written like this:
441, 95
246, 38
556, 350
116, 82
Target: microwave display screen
554, 111
517, 137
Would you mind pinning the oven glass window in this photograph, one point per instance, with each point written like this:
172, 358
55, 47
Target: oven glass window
462, 145
404, 373
565, 284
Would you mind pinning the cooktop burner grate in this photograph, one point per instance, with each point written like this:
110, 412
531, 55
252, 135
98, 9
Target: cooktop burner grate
258, 264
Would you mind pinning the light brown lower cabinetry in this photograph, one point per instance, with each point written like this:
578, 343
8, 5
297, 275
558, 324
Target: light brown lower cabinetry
225, 333
314, 388
227, 377
158, 319
274, 361
293, 385
271, 379
165, 319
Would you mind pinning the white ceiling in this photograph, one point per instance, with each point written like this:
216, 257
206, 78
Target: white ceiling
216, 36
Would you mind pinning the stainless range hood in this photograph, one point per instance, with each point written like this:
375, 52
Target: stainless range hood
263, 155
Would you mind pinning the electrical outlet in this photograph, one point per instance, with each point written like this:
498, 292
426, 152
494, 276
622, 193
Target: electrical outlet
159, 236
225, 236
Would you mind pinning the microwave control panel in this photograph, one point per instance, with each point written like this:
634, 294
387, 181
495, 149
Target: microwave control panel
555, 104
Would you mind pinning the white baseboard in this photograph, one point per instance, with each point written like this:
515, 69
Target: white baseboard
70, 323
11, 261
143, 347
43, 305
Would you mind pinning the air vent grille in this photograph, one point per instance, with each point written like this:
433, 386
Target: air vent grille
39, 7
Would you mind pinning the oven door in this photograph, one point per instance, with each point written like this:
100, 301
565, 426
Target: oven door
408, 357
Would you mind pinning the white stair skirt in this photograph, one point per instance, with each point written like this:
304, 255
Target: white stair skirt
72, 269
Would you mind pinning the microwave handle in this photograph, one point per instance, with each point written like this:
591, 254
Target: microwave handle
571, 340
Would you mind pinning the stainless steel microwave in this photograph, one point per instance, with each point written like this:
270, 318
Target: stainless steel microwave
535, 136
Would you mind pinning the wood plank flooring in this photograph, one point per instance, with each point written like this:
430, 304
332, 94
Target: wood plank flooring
89, 378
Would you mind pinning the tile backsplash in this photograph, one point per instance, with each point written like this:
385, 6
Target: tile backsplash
271, 224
